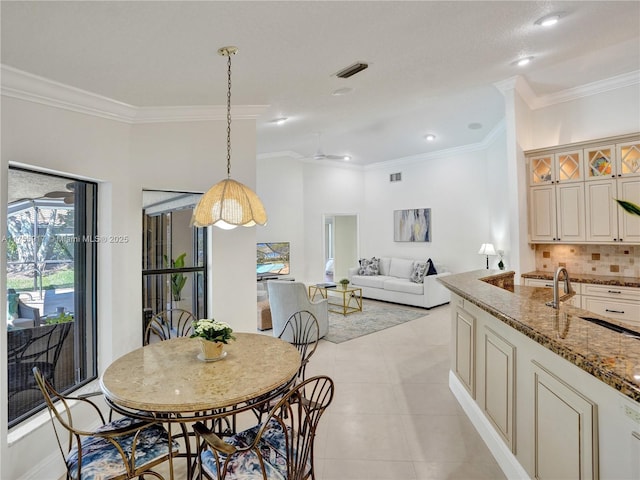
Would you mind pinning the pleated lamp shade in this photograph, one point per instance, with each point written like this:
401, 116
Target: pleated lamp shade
229, 204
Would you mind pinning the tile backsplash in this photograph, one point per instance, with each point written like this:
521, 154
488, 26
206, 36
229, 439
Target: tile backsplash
610, 260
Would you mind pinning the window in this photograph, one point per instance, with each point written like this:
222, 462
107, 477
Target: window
173, 255
51, 286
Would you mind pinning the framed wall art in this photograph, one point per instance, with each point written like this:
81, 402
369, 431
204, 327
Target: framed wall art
412, 225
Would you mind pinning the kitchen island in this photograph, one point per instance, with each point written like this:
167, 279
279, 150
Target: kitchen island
553, 395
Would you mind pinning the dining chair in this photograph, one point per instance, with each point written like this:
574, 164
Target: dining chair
168, 324
302, 330
281, 447
123, 449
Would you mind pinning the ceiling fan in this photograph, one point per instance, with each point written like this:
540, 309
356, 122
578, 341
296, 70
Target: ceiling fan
320, 155
67, 196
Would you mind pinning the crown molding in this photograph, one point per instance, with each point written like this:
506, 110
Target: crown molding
535, 102
594, 88
33, 88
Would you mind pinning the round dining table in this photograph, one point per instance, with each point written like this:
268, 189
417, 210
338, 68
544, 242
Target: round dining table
169, 382
168, 379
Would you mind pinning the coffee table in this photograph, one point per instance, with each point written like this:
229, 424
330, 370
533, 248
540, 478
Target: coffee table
343, 300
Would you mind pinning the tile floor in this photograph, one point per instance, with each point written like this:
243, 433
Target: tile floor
393, 416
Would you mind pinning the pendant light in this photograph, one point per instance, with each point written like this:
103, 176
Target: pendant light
229, 203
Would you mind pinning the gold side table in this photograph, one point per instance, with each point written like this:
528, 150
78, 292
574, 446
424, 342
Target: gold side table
344, 300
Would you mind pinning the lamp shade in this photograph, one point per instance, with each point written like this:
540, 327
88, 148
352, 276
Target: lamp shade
487, 249
229, 204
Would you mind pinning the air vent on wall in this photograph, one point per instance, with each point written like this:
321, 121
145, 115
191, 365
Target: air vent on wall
395, 177
352, 70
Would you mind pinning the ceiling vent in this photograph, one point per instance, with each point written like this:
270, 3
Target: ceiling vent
351, 70
395, 177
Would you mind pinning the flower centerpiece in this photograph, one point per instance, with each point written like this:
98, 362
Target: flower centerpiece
213, 335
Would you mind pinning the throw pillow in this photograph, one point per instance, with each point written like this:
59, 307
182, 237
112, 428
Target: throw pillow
368, 267
419, 270
431, 270
12, 306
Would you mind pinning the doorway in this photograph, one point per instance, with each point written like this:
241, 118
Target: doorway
340, 245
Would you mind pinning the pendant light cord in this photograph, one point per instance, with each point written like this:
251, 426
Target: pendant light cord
229, 116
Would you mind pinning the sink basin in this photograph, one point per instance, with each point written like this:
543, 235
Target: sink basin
613, 326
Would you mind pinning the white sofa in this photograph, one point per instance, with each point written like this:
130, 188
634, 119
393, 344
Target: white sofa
393, 283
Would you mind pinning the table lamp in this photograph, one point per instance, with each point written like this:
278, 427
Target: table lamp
487, 249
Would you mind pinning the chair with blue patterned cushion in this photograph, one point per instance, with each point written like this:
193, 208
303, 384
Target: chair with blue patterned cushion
168, 324
123, 449
280, 448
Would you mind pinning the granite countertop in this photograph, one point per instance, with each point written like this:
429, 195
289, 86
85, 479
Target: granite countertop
588, 278
609, 356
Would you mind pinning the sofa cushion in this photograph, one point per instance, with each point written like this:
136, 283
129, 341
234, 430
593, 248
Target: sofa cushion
375, 281
419, 271
401, 268
368, 266
403, 285
383, 265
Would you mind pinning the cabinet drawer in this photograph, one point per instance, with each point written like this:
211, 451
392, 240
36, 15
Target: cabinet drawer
623, 310
611, 292
538, 282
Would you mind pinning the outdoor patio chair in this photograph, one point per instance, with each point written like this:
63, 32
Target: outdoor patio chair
34, 347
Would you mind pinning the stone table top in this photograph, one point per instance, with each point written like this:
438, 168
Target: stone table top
168, 378
611, 357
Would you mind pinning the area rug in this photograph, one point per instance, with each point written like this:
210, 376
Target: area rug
375, 316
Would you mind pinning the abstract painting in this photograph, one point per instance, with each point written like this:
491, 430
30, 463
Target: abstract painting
412, 225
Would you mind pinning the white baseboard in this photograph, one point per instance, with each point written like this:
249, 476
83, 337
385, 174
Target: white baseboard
505, 458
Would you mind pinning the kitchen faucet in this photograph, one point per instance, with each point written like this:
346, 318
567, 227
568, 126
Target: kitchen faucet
567, 288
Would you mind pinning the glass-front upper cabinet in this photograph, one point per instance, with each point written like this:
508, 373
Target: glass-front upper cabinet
628, 159
600, 162
562, 167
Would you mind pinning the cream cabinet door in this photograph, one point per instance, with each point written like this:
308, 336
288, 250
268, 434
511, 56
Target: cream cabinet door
601, 218
498, 376
628, 225
570, 212
566, 432
542, 213
465, 351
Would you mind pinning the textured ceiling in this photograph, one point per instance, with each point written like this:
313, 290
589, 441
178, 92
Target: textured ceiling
432, 65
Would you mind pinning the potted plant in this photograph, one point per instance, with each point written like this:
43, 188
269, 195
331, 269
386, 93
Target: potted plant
344, 282
178, 280
213, 335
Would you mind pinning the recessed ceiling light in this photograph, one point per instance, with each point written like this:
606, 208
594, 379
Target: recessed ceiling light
279, 120
342, 91
474, 126
430, 137
548, 20
521, 62
346, 158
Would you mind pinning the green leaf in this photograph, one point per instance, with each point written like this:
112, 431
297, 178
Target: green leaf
629, 207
